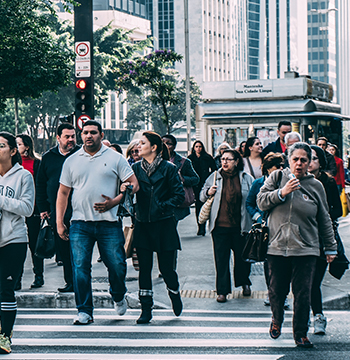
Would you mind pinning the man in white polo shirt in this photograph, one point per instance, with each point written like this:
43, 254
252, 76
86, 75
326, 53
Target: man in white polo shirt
93, 173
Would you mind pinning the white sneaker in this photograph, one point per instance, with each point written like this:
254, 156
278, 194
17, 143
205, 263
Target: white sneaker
267, 301
83, 319
320, 323
121, 307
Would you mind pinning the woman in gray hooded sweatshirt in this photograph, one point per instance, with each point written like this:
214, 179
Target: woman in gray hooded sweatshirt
16, 203
298, 218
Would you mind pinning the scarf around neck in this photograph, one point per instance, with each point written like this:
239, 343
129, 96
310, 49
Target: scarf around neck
152, 167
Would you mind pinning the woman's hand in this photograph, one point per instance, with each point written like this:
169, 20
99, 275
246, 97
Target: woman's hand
212, 190
291, 186
123, 186
330, 258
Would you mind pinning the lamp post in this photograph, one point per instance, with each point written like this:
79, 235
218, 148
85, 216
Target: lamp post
324, 29
187, 65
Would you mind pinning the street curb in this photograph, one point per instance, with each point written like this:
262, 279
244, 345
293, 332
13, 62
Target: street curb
337, 302
37, 300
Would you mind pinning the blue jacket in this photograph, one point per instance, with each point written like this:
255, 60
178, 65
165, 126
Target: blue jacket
274, 147
251, 205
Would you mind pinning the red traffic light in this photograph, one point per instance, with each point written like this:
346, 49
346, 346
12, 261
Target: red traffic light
81, 84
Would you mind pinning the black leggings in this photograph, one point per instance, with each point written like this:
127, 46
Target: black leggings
165, 265
12, 257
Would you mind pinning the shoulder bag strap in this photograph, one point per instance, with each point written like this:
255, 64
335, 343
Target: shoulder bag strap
250, 167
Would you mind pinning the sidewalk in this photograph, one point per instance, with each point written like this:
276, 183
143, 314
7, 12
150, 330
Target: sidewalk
196, 275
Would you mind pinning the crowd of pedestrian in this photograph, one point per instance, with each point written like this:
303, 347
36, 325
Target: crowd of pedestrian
292, 186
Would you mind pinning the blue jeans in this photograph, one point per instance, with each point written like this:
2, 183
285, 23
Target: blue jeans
110, 241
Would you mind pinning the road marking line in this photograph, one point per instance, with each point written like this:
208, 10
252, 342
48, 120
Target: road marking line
73, 356
147, 343
145, 329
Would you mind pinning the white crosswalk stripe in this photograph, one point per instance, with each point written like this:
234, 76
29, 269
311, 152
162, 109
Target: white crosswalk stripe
217, 335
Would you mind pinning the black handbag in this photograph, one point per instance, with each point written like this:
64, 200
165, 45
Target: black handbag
257, 240
126, 205
45, 244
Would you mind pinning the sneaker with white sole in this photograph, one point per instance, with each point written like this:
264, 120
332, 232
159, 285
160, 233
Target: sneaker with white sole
267, 301
83, 319
320, 323
121, 307
5, 344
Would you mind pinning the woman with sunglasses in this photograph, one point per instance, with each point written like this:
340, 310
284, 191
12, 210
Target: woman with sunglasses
16, 203
229, 220
132, 152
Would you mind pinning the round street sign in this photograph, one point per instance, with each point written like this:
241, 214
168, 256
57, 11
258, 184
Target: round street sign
81, 120
82, 49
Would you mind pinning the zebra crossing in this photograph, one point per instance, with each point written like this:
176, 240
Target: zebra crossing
196, 334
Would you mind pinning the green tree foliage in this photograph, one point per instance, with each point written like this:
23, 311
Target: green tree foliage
150, 73
143, 110
32, 59
7, 119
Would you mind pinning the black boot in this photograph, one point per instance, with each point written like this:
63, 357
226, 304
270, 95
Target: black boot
146, 300
176, 302
38, 282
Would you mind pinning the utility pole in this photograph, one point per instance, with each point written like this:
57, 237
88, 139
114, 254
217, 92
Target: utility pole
187, 66
84, 70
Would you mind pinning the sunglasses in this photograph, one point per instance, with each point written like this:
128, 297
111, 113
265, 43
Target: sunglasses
134, 152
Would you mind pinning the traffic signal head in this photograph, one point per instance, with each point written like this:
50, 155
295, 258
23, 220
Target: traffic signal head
83, 95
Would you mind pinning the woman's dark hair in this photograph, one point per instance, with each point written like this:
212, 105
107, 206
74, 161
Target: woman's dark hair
321, 156
236, 155
11, 140
300, 146
28, 141
270, 160
336, 149
198, 142
118, 148
155, 139
241, 147
250, 142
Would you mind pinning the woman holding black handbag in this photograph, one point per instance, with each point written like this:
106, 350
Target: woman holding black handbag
228, 222
317, 165
160, 192
16, 203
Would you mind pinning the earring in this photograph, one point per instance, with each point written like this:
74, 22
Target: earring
26, 153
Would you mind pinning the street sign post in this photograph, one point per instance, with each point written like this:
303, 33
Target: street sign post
84, 74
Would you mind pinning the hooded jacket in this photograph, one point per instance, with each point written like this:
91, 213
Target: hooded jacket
16, 203
300, 221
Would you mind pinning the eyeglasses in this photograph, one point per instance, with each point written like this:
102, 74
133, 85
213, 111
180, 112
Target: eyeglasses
314, 158
134, 151
226, 160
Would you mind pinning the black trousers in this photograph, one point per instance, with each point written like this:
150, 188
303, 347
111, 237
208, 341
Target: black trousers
316, 295
12, 258
225, 240
165, 265
298, 271
63, 248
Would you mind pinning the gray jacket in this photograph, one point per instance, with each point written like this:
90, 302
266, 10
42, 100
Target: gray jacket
300, 221
246, 181
16, 203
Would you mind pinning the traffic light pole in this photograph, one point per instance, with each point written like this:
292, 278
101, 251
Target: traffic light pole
84, 69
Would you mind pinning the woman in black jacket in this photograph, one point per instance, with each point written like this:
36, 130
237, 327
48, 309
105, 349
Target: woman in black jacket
160, 192
317, 166
204, 165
